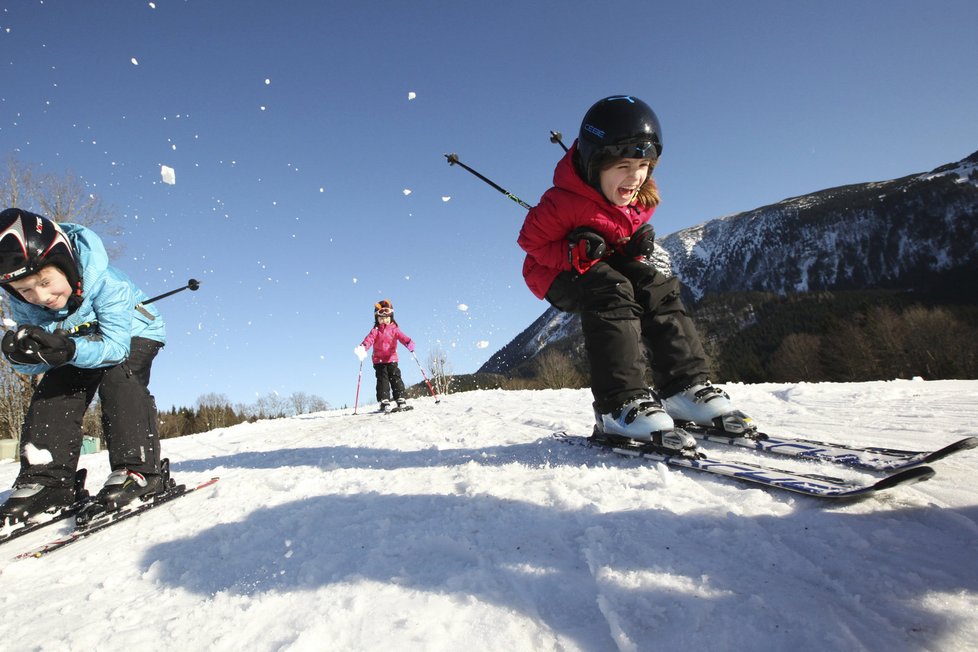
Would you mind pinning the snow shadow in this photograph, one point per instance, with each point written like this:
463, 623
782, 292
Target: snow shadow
542, 451
835, 580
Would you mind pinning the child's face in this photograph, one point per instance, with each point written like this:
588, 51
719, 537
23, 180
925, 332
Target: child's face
49, 288
383, 319
622, 180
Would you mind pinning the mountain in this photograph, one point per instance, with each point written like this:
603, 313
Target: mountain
915, 233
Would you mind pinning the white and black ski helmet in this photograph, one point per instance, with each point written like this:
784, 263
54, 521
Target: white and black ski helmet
620, 126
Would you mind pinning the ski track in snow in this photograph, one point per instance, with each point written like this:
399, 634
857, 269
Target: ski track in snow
463, 525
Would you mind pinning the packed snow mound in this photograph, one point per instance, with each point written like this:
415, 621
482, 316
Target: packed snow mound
465, 525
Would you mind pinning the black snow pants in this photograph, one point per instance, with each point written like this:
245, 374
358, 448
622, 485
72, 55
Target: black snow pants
52, 434
388, 378
630, 313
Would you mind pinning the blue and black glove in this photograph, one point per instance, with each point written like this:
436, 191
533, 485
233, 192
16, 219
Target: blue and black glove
641, 244
585, 248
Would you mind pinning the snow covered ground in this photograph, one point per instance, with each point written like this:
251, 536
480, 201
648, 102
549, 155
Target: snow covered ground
463, 526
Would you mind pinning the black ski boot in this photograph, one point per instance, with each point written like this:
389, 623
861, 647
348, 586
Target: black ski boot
124, 486
30, 499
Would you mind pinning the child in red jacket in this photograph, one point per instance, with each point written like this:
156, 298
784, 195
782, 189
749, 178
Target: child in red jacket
588, 246
384, 337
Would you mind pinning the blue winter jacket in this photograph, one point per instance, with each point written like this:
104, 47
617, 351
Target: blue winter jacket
110, 299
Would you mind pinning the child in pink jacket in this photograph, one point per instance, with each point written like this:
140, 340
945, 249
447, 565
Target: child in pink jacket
384, 337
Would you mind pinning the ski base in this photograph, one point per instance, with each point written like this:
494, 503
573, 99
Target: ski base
809, 484
862, 457
102, 520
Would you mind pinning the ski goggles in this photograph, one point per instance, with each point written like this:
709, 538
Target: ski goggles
644, 148
384, 312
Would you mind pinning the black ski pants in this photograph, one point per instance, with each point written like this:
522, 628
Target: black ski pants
52, 433
388, 379
629, 310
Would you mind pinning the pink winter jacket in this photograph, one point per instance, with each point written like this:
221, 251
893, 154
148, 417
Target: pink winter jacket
384, 339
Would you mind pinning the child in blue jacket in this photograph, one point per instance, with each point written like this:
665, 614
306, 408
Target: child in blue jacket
79, 324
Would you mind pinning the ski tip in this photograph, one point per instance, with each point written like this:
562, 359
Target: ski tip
960, 445
965, 444
907, 476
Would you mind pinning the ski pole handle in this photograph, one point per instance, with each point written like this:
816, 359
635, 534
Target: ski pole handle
555, 137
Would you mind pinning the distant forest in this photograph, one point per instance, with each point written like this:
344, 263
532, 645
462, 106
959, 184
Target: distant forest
839, 337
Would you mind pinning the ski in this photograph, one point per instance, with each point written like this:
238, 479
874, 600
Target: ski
102, 520
862, 457
809, 484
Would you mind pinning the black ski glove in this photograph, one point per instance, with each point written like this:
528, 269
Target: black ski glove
641, 244
55, 348
12, 351
585, 248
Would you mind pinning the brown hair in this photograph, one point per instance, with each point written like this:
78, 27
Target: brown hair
648, 194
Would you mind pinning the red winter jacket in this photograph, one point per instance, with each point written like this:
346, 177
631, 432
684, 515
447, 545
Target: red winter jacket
569, 204
384, 339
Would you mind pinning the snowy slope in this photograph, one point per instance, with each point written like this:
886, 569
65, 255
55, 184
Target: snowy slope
462, 526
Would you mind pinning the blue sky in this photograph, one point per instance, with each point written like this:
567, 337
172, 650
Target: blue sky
293, 139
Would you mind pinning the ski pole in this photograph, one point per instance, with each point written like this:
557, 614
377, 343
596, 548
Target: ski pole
555, 137
356, 401
191, 285
453, 160
430, 388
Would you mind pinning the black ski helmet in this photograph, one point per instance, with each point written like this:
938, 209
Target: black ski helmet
29, 242
620, 126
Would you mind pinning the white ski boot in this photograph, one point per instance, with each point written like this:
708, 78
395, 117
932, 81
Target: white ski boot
708, 406
642, 419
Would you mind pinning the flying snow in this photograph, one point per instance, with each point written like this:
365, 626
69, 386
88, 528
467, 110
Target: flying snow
406, 191
168, 175
482, 344
445, 198
134, 62
463, 307
411, 95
